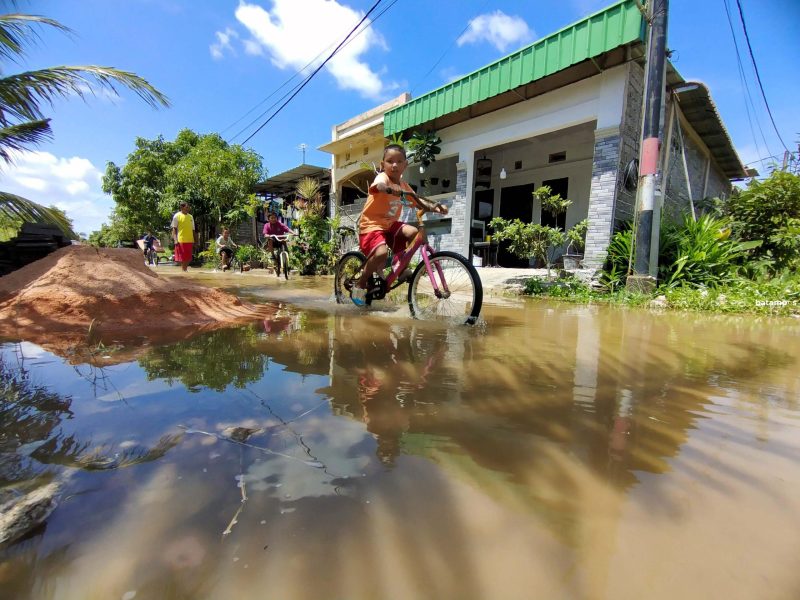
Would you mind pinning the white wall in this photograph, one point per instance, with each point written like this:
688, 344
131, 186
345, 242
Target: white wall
597, 100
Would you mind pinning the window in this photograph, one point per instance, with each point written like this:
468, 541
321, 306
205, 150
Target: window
557, 157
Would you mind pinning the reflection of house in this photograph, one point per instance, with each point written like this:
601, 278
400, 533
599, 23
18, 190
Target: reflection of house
565, 111
277, 194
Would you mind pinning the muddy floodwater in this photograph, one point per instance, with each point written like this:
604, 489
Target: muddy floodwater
553, 451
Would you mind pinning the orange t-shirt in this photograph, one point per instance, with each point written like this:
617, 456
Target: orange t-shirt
381, 210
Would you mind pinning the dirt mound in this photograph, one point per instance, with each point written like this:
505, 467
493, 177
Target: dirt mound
107, 290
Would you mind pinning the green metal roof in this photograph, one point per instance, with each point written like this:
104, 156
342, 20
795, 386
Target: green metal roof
619, 24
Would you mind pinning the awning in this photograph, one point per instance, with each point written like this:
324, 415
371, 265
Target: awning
285, 183
701, 112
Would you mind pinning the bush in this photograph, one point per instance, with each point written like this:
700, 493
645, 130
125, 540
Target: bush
617, 266
209, 255
705, 254
248, 254
769, 212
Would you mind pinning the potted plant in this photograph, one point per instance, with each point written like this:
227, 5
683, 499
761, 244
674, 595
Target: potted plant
529, 240
577, 243
422, 148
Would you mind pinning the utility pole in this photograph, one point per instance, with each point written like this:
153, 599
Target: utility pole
651, 144
303, 147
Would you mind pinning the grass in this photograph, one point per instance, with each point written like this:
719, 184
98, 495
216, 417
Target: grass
777, 296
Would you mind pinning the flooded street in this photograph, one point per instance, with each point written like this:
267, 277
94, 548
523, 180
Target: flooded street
553, 451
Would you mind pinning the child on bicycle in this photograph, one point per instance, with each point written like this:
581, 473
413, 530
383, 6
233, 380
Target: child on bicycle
380, 225
148, 244
275, 227
225, 246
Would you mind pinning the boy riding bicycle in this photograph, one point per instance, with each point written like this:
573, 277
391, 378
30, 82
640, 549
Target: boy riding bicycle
380, 225
273, 227
225, 246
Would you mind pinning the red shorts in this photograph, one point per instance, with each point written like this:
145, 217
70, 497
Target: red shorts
183, 251
371, 240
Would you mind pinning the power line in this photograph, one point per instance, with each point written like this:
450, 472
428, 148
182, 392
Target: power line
743, 79
317, 70
308, 64
758, 76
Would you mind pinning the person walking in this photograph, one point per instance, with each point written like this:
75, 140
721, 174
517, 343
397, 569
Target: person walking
183, 234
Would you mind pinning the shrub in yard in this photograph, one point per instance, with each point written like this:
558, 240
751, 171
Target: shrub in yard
705, 253
769, 212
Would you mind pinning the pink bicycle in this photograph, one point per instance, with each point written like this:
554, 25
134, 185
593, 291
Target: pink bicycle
444, 285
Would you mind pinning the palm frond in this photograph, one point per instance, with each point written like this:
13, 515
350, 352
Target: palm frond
21, 94
17, 30
18, 207
308, 188
20, 137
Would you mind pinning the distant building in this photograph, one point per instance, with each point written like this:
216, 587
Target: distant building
565, 111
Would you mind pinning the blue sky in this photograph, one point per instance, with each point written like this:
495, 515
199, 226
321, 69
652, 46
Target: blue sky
218, 59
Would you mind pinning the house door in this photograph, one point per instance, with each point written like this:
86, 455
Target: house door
558, 186
516, 202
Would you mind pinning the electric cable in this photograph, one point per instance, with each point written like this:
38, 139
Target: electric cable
758, 76
306, 66
743, 80
317, 70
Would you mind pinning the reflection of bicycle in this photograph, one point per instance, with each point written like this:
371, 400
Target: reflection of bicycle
281, 261
444, 286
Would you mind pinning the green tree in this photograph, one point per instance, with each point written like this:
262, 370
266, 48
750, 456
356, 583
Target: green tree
215, 178
22, 121
769, 212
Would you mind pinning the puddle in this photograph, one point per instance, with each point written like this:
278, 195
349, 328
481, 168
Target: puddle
557, 451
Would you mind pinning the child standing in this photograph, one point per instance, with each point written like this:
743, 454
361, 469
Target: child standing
380, 225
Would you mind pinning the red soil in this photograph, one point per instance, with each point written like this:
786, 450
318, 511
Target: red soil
78, 290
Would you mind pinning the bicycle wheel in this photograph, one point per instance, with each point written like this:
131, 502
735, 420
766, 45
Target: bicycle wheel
459, 294
285, 263
348, 270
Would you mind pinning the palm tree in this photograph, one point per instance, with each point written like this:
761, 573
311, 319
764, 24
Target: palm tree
22, 122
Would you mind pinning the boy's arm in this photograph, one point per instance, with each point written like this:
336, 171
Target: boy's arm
383, 185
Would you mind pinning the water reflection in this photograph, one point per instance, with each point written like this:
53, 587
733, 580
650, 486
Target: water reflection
320, 454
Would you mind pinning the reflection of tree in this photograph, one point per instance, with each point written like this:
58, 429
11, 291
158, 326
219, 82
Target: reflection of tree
213, 360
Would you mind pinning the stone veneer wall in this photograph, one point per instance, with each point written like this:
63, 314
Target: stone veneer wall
631, 134
602, 195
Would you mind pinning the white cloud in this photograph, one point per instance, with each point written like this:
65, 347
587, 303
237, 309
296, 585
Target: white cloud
253, 48
223, 43
498, 29
294, 34
71, 184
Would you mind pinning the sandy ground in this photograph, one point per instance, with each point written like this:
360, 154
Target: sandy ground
81, 293
80, 296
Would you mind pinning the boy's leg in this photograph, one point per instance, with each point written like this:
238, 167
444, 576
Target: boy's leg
374, 264
407, 234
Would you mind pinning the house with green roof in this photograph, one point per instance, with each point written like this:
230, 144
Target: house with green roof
565, 111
